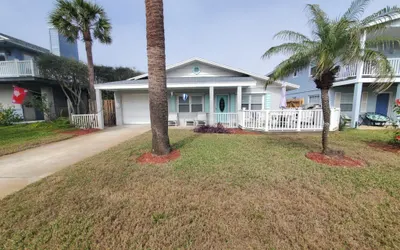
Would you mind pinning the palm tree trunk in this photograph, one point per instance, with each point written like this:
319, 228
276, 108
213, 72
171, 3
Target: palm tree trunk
89, 54
326, 111
157, 77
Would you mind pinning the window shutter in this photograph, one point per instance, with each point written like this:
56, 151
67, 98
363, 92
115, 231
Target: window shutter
364, 102
172, 103
267, 102
338, 97
207, 103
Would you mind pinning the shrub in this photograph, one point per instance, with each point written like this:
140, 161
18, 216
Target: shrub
8, 116
396, 135
219, 129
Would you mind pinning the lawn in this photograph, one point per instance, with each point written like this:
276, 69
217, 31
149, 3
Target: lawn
24, 136
225, 192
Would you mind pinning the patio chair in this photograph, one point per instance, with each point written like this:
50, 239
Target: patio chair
173, 119
201, 119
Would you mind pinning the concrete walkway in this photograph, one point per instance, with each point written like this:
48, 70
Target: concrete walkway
22, 168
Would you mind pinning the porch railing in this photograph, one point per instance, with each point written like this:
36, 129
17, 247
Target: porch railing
18, 68
229, 120
288, 120
85, 121
369, 70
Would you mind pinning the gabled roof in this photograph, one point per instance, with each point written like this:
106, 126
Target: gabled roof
18, 42
214, 64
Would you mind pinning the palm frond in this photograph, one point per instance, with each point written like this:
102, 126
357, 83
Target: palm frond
356, 10
291, 36
285, 49
295, 63
318, 20
74, 18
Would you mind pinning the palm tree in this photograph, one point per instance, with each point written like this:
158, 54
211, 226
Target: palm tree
335, 43
83, 19
157, 77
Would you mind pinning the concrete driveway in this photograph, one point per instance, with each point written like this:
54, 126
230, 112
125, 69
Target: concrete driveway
22, 168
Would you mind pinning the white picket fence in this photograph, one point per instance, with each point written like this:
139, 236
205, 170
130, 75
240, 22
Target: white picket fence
287, 120
85, 121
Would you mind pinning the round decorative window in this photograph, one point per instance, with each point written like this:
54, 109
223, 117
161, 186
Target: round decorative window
222, 105
196, 70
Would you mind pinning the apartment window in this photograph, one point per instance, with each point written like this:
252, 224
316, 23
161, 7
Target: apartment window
192, 104
346, 102
252, 102
314, 99
313, 69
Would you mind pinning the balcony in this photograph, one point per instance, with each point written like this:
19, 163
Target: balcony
369, 71
27, 68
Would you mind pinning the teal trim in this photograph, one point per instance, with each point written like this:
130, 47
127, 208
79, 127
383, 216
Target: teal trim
233, 103
207, 103
267, 101
172, 103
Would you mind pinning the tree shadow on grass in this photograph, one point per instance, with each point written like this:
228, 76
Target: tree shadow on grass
294, 142
184, 142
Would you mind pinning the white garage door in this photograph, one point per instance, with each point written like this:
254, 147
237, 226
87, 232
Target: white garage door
135, 108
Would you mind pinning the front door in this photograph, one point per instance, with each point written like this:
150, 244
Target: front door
382, 103
221, 107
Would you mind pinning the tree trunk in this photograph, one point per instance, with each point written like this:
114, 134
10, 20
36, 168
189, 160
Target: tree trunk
92, 93
157, 77
326, 111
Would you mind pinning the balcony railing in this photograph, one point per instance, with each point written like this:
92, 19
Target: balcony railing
18, 68
370, 70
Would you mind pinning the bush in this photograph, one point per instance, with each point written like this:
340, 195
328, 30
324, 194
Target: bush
8, 116
219, 129
60, 123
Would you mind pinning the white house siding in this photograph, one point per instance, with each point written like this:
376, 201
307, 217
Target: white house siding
205, 70
272, 94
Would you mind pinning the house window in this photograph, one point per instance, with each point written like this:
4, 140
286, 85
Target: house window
295, 74
314, 99
2, 57
184, 106
346, 102
252, 102
196, 104
192, 104
313, 69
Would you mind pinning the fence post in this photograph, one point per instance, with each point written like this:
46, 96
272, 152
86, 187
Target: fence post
266, 120
243, 118
299, 121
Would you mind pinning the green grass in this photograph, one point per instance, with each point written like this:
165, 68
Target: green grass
225, 192
16, 138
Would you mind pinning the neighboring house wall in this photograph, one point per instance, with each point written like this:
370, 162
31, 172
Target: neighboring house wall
343, 97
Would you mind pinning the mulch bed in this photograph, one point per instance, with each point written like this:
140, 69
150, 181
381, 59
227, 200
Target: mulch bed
335, 160
239, 131
385, 147
149, 158
80, 131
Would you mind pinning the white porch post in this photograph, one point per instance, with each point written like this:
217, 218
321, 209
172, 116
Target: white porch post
239, 98
211, 118
99, 104
358, 88
398, 91
118, 108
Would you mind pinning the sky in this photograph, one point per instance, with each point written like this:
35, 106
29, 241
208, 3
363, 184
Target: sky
231, 32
